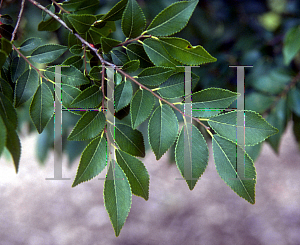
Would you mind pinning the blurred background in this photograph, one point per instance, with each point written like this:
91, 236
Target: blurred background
262, 34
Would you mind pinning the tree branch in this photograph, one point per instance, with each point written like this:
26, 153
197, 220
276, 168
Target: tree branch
60, 7
18, 21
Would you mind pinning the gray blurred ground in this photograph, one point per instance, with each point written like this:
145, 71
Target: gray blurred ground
34, 211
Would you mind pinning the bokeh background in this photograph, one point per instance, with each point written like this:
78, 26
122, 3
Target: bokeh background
36, 211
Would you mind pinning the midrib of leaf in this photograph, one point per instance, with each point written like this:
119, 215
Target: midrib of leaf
93, 94
83, 23
129, 140
154, 75
3, 107
140, 105
169, 20
145, 193
159, 54
114, 13
186, 50
160, 137
140, 56
238, 126
131, 26
235, 171
41, 107
49, 52
85, 126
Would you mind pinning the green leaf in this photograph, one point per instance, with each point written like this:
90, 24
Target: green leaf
6, 31
253, 151
291, 44
88, 126
136, 173
133, 20
3, 135
131, 66
47, 53
95, 73
18, 66
13, 145
184, 52
68, 94
119, 58
103, 28
172, 19
81, 23
258, 102
191, 154
141, 106
6, 19
49, 25
41, 107
76, 49
136, 52
154, 76
107, 44
26, 86
69, 75
129, 140
46, 16
2, 58
92, 161
117, 196
89, 98
226, 165
294, 100
210, 102
5, 47
174, 86
158, 54
30, 44
162, 130
278, 118
80, 6
6, 89
255, 127
75, 61
116, 12
8, 112
123, 95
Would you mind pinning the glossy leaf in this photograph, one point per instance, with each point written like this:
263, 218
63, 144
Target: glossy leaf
13, 145
107, 44
8, 112
30, 44
3, 135
191, 154
210, 102
88, 126
141, 106
80, 6
136, 52
89, 98
174, 86
291, 44
256, 128
92, 161
47, 53
119, 58
116, 12
75, 61
49, 25
225, 160
18, 66
184, 52
95, 73
131, 66
6, 89
172, 19
162, 130
68, 94
117, 196
42, 107
129, 140
81, 23
26, 86
154, 76
135, 172
158, 54
123, 94
69, 75
133, 20
76, 49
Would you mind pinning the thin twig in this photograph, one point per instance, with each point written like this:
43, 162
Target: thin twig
110, 64
132, 40
31, 65
60, 7
1, 3
18, 21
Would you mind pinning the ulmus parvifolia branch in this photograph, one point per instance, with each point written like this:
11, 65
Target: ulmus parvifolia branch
18, 21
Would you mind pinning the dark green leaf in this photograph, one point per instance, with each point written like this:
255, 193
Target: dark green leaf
116, 12
6, 31
5, 47
95, 73
17, 68
75, 61
92, 161
291, 45
136, 52
81, 6
154, 76
68, 94
136, 173
6, 19
131, 66
107, 44
133, 20
30, 44
141, 106
162, 130
117, 196
49, 25
172, 19
88, 126
46, 16
3, 135
191, 154
6, 89
81, 23
130, 140
256, 128
294, 100
26, 86
8, 112
47, 53
13, 145
226, 164
123, 95
119, 58
89, 98
76, 49
42, 107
